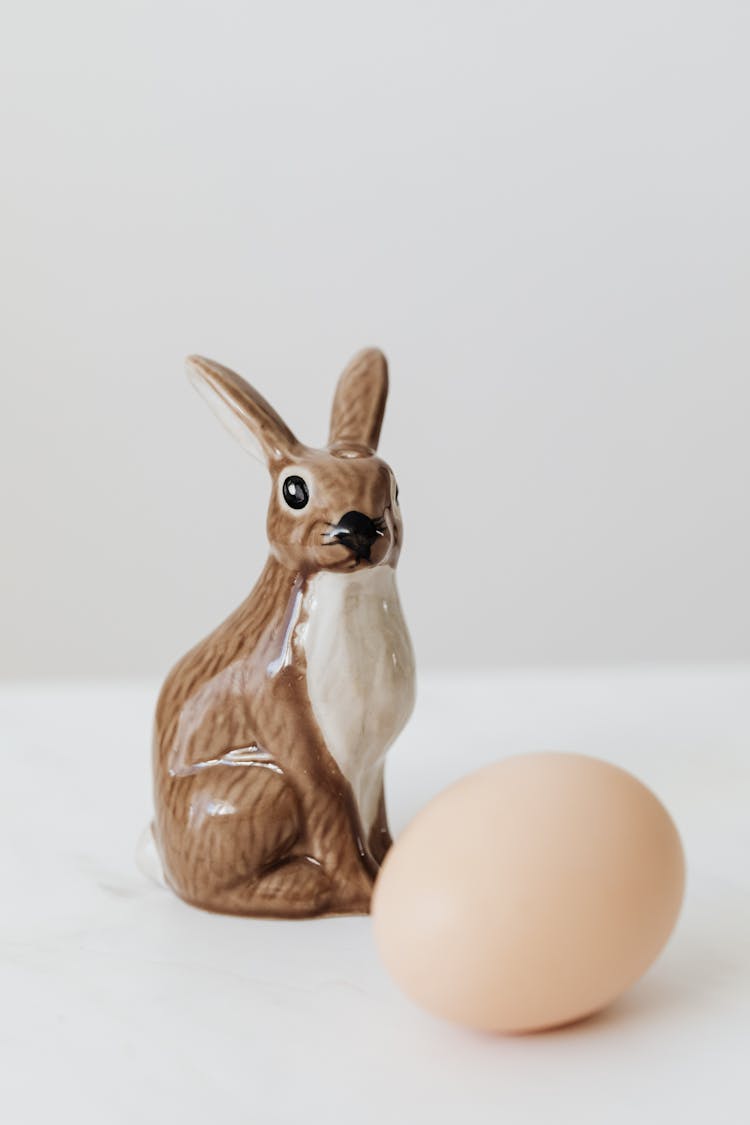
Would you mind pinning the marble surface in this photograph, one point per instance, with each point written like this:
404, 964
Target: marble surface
119, 1004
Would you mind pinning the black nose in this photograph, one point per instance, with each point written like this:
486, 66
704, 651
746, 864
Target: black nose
356, 531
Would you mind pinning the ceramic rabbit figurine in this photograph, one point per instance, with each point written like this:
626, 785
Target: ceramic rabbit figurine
271, 734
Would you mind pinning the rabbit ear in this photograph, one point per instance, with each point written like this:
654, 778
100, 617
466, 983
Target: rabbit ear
359, 402
244, 412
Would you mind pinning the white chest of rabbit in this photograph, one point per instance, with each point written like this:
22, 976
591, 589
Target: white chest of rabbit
360, 673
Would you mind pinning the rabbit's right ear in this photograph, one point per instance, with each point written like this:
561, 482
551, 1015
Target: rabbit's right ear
243, 411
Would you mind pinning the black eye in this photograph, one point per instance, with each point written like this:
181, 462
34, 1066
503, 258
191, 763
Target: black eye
295, 492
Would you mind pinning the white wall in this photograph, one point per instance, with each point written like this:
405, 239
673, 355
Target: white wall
539, 210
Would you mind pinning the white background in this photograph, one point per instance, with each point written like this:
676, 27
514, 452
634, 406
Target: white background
538, 210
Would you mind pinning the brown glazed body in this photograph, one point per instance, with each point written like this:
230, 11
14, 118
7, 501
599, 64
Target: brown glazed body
270, 734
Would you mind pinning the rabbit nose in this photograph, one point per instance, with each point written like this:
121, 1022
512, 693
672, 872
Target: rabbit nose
356, 531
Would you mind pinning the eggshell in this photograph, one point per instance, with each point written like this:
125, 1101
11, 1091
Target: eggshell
529, 894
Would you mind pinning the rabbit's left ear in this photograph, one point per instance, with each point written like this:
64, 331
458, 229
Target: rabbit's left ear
359, 402
244, 412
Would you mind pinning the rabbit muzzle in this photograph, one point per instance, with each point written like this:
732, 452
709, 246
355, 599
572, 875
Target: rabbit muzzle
359, 533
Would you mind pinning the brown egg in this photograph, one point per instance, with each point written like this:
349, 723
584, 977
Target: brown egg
529, 894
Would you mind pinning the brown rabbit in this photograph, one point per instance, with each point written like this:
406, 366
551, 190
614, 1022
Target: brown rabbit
270, 735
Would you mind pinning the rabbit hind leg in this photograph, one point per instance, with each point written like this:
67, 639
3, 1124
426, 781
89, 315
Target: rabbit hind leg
222, 829
295, 887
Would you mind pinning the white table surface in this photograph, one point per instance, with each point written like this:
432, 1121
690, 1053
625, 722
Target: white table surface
120, 1004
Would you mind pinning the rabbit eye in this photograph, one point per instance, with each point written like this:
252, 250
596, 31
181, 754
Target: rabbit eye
296, 492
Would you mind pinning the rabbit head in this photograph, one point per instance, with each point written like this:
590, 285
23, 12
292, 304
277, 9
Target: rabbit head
330, 509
